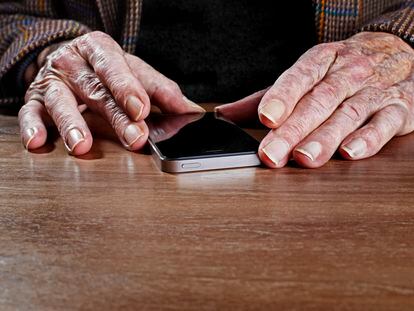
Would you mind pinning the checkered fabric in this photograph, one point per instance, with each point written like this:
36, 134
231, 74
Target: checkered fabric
27, 26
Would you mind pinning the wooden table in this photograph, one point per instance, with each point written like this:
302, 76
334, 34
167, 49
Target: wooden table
110, 231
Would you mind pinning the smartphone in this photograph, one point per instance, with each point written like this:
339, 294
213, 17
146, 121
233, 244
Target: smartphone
198, 142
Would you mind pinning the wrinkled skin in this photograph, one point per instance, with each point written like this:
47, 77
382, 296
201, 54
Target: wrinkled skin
93, 72
352, 96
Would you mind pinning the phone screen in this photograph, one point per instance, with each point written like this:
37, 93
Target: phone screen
198, 136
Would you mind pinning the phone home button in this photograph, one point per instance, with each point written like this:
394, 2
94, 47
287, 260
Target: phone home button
191, 165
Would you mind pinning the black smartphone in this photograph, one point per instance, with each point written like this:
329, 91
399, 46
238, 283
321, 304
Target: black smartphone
198, 142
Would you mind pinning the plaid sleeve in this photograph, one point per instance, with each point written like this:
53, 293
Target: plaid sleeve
399, 22
23, 35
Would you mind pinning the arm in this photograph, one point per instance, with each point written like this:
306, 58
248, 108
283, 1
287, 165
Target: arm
399, 22
26, 29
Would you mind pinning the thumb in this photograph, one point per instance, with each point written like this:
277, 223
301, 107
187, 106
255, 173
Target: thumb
163, 92
243, 111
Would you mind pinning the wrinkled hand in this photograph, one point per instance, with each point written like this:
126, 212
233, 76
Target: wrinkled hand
352, 96
93, 72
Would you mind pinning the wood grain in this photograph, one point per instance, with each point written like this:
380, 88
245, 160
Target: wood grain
110, 231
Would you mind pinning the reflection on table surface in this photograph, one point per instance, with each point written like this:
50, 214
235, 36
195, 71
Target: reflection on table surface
109, 230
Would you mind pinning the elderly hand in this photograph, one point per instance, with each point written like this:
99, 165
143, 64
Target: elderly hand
93, 72
353, 95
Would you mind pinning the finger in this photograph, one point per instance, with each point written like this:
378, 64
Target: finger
133, 135
278, 103
243, 110
107, 60
32, 127
92, 92
275, 153
318, 147
62, 106
370, 139
163, 92
312, 110
82, 108
97, 97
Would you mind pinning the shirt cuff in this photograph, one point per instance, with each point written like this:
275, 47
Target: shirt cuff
399, 22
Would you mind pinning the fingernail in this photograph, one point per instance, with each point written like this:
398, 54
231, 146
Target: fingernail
193, 104
312, 150
276, 150
132, 134
73, 138
134, 108
217, 111
356, 148
29, 134
273, 111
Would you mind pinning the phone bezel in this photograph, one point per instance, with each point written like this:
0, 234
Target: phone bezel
206, 163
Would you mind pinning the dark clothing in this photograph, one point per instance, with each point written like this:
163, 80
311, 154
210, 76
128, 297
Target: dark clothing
222, 50
26, 27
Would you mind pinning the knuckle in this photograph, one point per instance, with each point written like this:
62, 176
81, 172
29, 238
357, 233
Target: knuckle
288, 79
352, 111
96, 41
108, 70
360, 69
33, 92
331, 135
53, 95
119, 82
36, 90
117, 119
329, 89
100, 99
61, 58
360, 63
305, 70
24, 111
64, 121
354, 70
55, 62
91, 87
323, 48
393, 116
324, 98
167, 90
42, 72
171, 87
373, 134
395, 93
405, 89
295, 130
317, 104
397, 96
102, 65
371, 93
395, 67
61, 115
92, 36
408, 127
